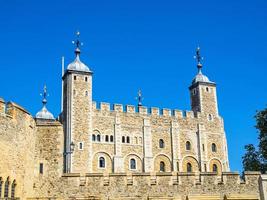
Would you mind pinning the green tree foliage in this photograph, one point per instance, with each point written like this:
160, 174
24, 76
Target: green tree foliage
256, 160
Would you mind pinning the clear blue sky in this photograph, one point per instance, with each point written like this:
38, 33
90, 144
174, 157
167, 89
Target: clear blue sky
141, 44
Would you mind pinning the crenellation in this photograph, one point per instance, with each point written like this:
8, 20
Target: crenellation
178, 113
118, 107
155, 111
104, 106
166, 112
143, 110
2, 106
189, 114
130, 109
94, 105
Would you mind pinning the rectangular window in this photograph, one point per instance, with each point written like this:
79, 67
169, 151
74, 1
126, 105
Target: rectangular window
41, 168
75, 78
86, 79
203, 147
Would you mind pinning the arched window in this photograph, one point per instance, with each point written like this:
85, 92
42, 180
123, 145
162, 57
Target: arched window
102, 163
106, 138
6, 187
188, 146
214, 168
210, 117
111, 138
93, 137
213, 147
13, 189
128, 139
1, 185
123, 139
98, 138
161, 143
132, 163
188, 167
162, 166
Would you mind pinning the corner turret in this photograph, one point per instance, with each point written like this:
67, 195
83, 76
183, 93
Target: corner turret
203, 92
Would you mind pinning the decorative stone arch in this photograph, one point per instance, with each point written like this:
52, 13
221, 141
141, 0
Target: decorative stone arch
193, 161
108, 163
217, 162
139, 163
162, 158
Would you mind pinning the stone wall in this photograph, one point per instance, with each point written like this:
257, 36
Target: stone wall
184, 186
17, 142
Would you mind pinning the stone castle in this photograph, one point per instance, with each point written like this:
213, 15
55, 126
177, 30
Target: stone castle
119, 152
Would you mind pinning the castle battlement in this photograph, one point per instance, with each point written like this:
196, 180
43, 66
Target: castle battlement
143, 110
173, 178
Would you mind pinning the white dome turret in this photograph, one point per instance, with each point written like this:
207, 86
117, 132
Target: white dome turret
44, 113
77, 64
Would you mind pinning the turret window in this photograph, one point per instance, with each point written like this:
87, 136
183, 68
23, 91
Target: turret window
75, 78
123, 139
111, 138
194, 91
207, 89
102, 163
214, 147
210, 118
188, 167
188, 146
161, 143
86, 79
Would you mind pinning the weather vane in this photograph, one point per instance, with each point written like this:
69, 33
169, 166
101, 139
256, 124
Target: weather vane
198, 58
44, 95
77, 43
139, 98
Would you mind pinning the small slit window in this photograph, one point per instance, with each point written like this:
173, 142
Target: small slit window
111, 138
93, 137
98, 138
13, 189
41, 168
132, 163
214, 147
102, 163
162, 166
194, 91
106, 138
86, 93
161, 143
6, 187
188, 146
75, 78
81, 146
207, 89
123, 139
128, 139
1, 186
210, 117
188, 167
214, 168
86, 79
